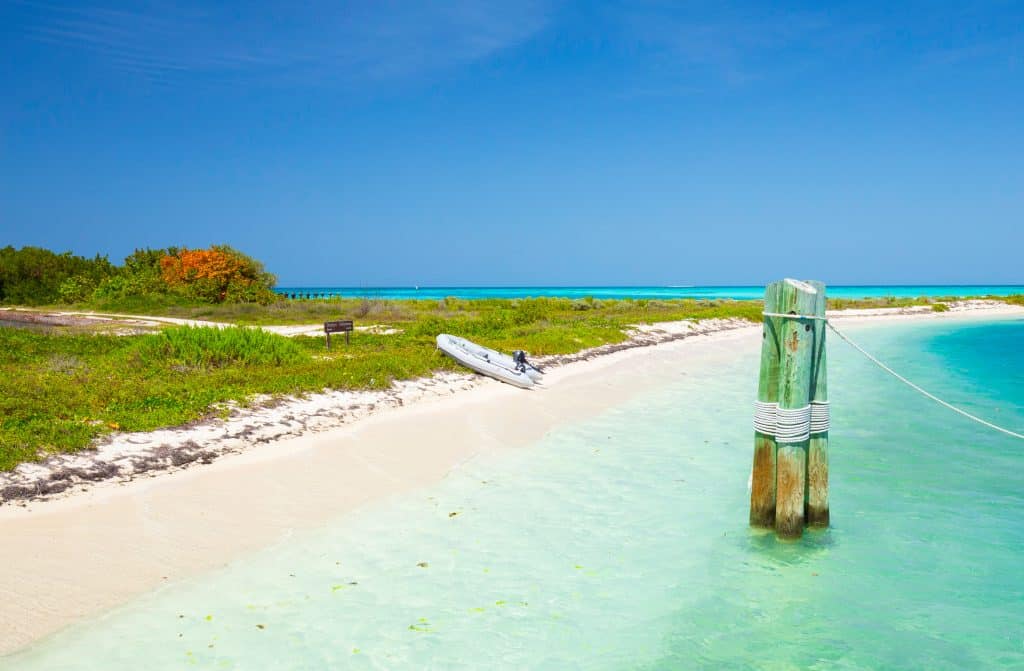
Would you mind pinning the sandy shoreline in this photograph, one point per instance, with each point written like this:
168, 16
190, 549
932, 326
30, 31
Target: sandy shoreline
81, 554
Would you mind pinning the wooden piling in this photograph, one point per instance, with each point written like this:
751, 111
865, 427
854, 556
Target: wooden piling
817, 514
797, 344
762, 478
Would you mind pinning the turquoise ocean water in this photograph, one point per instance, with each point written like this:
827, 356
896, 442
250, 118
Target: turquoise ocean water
621, 542
709, 292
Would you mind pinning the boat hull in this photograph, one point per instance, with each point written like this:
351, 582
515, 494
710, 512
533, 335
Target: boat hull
486, 361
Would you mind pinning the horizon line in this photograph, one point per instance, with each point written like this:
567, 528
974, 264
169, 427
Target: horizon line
611, 286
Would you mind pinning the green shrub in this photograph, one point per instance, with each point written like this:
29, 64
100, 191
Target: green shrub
530, 310
208, 347
76, 289
36, 276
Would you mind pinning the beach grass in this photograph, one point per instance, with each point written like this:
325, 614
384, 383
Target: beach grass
196, 347
1016, 299
61, 391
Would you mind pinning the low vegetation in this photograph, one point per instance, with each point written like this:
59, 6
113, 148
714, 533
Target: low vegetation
204, 348
1017, 299
886, 302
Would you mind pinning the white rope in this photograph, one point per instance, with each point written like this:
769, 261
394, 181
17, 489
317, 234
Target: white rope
764, 417
919, 389
766, 420
820, 417
793, 425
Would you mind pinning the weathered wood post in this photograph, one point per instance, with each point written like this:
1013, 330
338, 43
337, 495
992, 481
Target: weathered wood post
762, 478
817, 451
789, 481
793, 417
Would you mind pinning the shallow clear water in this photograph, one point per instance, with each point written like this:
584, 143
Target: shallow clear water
622, 543
702, 292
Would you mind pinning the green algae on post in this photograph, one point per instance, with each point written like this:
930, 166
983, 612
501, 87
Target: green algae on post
817, 510
762, 486
797, 340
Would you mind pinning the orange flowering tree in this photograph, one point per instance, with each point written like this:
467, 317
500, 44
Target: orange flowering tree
217, 275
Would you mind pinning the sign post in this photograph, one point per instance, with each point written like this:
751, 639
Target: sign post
341, 326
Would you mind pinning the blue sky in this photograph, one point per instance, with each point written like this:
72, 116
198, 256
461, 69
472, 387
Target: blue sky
529, 142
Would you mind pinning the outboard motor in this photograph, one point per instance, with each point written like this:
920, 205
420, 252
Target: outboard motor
519, 357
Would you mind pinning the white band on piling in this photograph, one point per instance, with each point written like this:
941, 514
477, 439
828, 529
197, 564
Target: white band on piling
790, 425
764, 417
820, 420
793, 425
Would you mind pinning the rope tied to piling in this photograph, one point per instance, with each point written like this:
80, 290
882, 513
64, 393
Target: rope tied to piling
791, 425
822, 420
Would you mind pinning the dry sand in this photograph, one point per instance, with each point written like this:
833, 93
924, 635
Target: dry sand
78, 555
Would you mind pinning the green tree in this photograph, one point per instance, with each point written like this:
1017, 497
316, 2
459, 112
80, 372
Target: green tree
34, 276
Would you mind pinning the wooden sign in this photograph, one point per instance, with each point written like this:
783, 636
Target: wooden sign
340, 326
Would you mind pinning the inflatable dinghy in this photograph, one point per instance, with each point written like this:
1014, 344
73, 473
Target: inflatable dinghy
515, 370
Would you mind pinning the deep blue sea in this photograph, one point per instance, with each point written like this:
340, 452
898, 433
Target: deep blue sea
621, 542
709, 292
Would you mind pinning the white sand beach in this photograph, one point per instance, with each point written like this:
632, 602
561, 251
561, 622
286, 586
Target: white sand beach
82, 549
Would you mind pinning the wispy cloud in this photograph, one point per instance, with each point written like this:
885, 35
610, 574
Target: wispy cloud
732, 45
702, 43
317, 40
